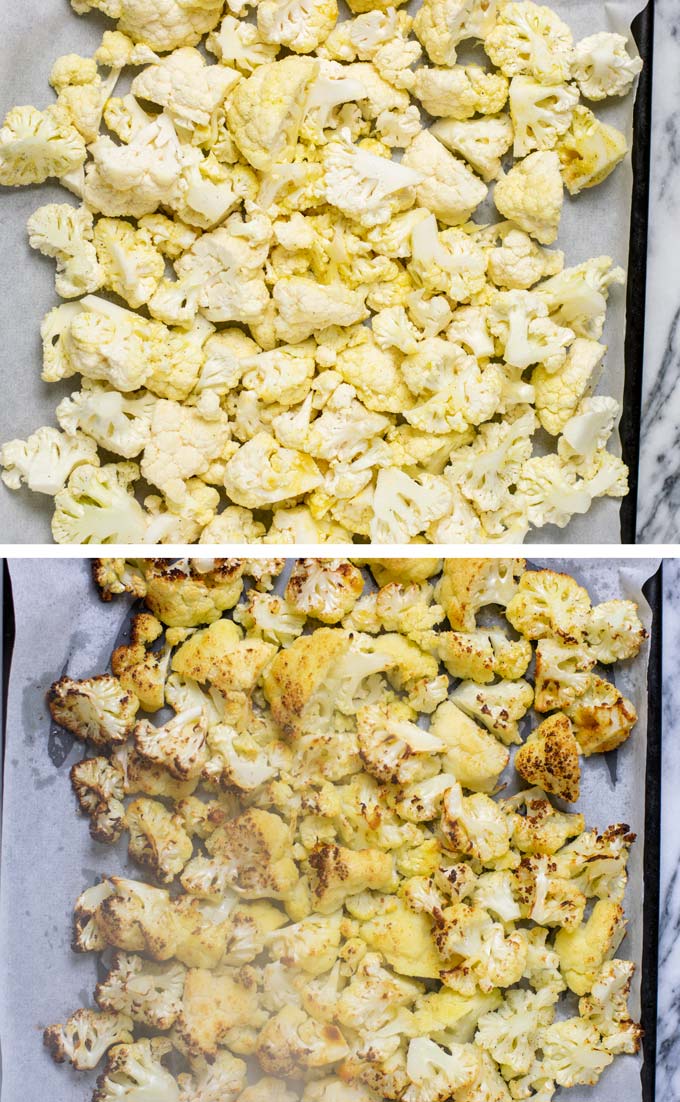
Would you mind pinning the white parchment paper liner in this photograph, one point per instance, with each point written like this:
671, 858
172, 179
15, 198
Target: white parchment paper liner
48, 857
38, 31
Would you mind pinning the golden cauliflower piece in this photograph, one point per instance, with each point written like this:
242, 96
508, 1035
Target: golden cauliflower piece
298, 672
549, 758
337, 872
583, 951
602, 717
220, 656
115, 576
139, 669
213, 1003
401, 570
325, 589
158, 839
474, 757
549, 604
192, 594
466, 585
405, 940
96, 709
254, 849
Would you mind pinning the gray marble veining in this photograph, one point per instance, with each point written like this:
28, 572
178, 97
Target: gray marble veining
659, 488
668, 1041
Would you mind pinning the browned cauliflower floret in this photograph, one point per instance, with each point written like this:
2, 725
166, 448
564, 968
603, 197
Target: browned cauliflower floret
583, 951
549, 604
97, 709
220, 1079
549, 758
152, 779
292, 1041
498, 707
87, 935
214, 1003
99, 785
542, 829
179, 745
220, 656
158, 839
325, 589
545, 897
602, 717
401, 570
136, 1069
252, 854
147, 991
298, 672
337, 872
193, 593
115, 576
138, 668
562, 674
138, 917
614, 631
467, 585
393, 748
86, 1036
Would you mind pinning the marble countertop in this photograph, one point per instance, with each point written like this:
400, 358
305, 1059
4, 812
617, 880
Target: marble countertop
659, 477
668, 1018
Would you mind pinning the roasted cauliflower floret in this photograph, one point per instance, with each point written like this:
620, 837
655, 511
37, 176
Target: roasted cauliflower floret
549, 604
602, 717
252, 851
148, 992
220, 656
583, 951
213, 1003
186, 596
324, 589
498, 707
99, 785
136, 1069
179, 745
474, 757
467, 585
549, 758
86, 1036
158, 839
139, 669
97, 709
337, 872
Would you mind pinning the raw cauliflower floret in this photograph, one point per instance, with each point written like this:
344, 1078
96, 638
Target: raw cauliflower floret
603, 718
404, 506
614, 631
540, 113
188, 89
46, 460
325, 589
442, 24
97, 709
460, 92
531, 195
376, 375
498, 707
481, 142
448, 188
301, 25
484, 470
573, 1053
558, 393
517, 262
183, 443
554, 491
363, 185
589, 151
35, 145
531, 38
577, 296
120, 423
262, 472
86, 1036
585, 435
65, 233
549, 758
519, 320
134, 179
266, 110
603, 67
470, 584
239, 44
130, 263
160, 26
549, 604
304, 306
474, 757
149, 992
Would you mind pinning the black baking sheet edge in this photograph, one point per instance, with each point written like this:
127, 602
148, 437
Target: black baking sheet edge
653, 591
631, 415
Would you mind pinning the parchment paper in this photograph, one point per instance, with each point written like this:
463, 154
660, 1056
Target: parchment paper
48, 857
36, 32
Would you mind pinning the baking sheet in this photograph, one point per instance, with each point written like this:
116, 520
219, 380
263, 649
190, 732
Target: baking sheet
38, 31
48, 857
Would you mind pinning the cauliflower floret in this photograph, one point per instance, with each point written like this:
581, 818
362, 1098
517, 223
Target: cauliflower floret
436, 1073
262, 472
393, 749
163, 26
157, 838
86, 1036
312, 944
364, 186
554, 491
302, 25
188, 89
401, 570
212, 1005
474, 757
336, 872
549, 604
404, 506
583, 951
376, 375
240, 44
529, 38
449, 189
150, 993
482, 142
585, 435
218, 654
517, 263
253, 853
46, 460
607, 1008
470, 584
35, 145
99, 787
134, 179
183, 443
577, 297
291, 1040
404, 939
562, 674
511, 1034
139, 669
183, 596
97, 709
219, 1080
266, 110
65, 233
498, 707
484, 470
120, 423
442, 24
460, 92
531, 195
490, 958
96, 506
603, 67
573, 1053
304, 306
474, 825
549, 758
325, 589
589, 151
179, 745
271, 618
540, 113
136, 1069
614, 631
130, 263
603, 718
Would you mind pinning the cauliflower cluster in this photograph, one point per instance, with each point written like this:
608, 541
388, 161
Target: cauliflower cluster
289, 318
337, 900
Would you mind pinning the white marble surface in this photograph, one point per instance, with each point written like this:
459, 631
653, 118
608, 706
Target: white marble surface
668, 1041
659, 492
